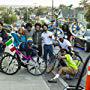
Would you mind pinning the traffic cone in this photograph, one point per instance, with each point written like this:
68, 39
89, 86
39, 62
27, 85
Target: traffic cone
88, 78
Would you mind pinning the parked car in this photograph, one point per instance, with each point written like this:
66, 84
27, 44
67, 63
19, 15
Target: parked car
83, 41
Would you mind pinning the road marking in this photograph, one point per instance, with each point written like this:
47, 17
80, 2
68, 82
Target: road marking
63, 82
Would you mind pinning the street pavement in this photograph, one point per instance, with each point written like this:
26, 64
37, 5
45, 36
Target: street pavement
24, 81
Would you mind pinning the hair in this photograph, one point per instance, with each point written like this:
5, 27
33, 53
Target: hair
37, 24
1, 23
63, 50
23, 32
44, 25
28, 24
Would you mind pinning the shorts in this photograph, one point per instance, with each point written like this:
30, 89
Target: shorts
68, 70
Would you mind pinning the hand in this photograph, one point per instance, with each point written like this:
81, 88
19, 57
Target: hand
1, 40
58, 57
56, 39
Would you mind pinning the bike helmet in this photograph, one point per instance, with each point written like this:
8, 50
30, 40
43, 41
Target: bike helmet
29, 40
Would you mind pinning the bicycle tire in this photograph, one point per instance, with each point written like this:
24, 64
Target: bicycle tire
5, 64
3, 54
50, 66
34, 64
21, 63
81, 65
80, 58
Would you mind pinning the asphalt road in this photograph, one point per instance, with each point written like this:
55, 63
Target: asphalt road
24, 81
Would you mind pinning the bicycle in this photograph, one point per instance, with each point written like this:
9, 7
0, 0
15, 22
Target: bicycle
11, 64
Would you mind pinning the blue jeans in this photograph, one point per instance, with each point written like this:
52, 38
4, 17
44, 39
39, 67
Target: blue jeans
2, 47
48, 49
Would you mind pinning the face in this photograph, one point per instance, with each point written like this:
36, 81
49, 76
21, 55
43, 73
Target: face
61, 39
37, 28
29, 28
1, 27
64, 53
45, 28
29, 43
20, 31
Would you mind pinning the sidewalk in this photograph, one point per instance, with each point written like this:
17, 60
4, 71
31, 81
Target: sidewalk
22, 81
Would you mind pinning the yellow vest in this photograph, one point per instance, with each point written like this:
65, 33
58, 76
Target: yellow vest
70, 62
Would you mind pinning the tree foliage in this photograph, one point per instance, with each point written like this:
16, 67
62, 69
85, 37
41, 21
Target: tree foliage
87, 15
9, 18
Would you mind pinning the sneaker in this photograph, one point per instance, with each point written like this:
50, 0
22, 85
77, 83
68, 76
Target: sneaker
52, 81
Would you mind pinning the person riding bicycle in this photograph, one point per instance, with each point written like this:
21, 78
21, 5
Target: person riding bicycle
70, 68
28, 47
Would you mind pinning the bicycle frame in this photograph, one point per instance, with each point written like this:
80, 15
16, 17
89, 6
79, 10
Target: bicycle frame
17, 51
23, 56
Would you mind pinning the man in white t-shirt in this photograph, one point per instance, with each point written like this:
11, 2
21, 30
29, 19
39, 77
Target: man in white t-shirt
65, 44
47, 41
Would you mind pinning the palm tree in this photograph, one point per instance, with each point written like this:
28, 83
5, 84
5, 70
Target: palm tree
84, 3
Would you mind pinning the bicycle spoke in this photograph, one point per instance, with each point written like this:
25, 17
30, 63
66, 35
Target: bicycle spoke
9, 64
36, 66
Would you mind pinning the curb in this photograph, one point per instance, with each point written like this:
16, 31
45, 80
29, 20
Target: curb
62, 81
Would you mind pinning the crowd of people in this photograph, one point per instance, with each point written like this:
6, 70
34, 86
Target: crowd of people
42, 37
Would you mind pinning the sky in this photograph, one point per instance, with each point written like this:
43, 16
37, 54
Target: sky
40, 2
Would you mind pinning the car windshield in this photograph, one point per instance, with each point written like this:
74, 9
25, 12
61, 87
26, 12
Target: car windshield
87, 33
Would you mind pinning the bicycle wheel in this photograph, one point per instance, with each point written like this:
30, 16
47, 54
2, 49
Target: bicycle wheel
36, 66
50, 64
3, 54
9, 64
80, 63
76, 56
52, 61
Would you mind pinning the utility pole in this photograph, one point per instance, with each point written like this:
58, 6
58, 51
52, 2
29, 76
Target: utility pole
27, 14
52, 8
